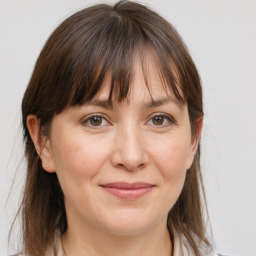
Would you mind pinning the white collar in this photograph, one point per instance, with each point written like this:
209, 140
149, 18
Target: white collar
181, 247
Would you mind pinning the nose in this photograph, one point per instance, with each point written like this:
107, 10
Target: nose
129, 149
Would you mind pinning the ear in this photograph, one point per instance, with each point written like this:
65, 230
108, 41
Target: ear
194, 142
41, 143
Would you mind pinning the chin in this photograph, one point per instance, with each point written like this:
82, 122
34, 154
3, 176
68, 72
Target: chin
129, 223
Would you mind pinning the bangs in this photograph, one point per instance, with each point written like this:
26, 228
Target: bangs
111, 45
120, 44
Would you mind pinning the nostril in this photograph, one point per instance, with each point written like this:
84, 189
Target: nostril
141, 165
120, 165
129, 167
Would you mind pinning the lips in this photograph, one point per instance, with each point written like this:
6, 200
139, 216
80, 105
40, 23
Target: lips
126, 190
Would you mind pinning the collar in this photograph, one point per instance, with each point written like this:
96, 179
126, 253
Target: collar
180, 249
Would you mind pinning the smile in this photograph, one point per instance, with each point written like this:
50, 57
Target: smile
128, 191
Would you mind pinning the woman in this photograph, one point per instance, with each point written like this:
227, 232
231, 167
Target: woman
112, 118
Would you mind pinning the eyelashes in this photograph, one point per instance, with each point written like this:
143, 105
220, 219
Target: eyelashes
99, 121
95, 121
161, 120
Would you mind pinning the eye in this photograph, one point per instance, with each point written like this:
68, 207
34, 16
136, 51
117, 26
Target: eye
158, 120
95, 121
161, 120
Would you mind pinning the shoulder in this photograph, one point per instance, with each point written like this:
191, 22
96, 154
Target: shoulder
183, 248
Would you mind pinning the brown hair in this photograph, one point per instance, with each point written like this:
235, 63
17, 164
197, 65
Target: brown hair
70, 71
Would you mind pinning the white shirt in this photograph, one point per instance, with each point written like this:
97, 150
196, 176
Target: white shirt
181, 248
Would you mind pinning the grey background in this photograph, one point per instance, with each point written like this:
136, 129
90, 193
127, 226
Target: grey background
221, 36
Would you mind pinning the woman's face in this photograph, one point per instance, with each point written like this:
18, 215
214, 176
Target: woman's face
122, 167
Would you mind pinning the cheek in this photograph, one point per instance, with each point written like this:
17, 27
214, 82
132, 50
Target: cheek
77, 158
78, 161
171, 157
170, 161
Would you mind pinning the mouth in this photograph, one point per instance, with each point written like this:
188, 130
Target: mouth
128, 191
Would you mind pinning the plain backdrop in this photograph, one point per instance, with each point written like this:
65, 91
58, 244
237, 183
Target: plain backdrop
221, 36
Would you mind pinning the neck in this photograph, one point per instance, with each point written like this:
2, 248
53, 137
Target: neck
91, 241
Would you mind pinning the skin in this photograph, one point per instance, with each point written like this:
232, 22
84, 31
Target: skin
135, 141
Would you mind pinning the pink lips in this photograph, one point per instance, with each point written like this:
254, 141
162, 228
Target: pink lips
125, 190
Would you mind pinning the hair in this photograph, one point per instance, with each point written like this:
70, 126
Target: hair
70, 71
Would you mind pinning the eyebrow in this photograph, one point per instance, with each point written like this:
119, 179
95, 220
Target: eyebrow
100, 103
153, 103
159, 102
